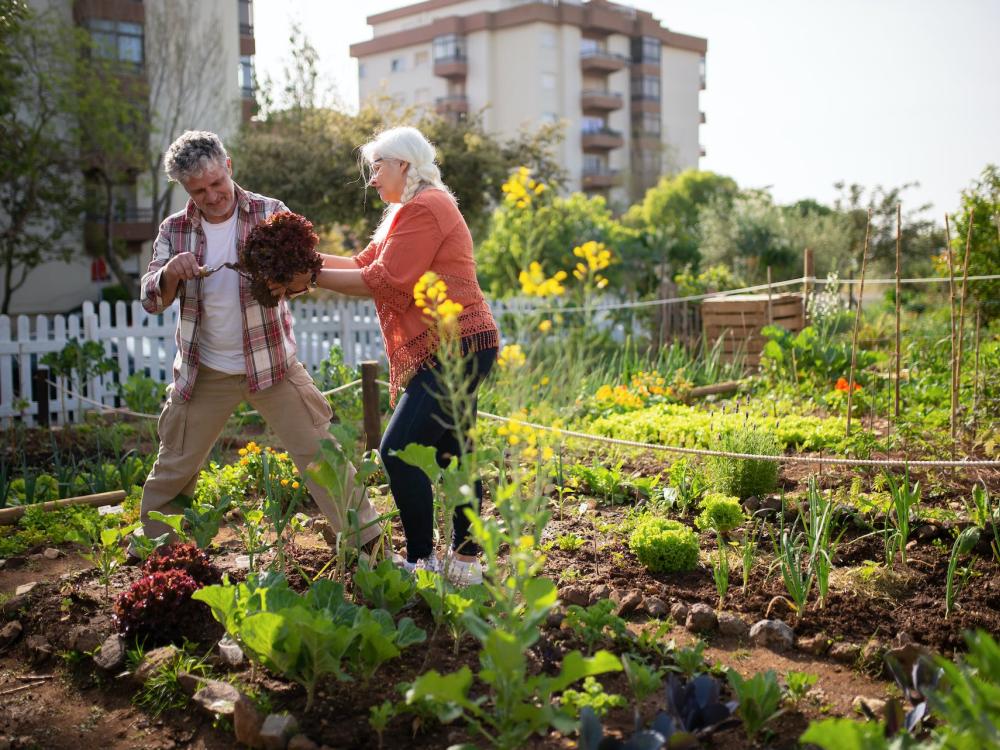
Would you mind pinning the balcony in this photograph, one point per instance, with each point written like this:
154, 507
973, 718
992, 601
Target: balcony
601, 100
456, 104
455, 66
128, 224
601, 179
601, 139
601, 61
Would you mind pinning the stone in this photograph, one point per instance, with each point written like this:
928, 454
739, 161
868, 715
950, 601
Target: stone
25, 588
153, 661
928, 532
630, 603
772, 634
701, 619
247, 723
578, 595
39, 648
732, 625
872, 651
217, 697
35, 556
655, 606
599, 593
84, 638
190, 683
12, 606
873, 708
845, 652
111, 657
51, 553
679, 612
10, 633
277, 730
752, 504
770, 505
302, 742
817, 645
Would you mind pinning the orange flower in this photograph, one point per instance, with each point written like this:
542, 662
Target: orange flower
843, 385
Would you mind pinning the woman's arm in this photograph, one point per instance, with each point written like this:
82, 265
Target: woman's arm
339, 262
343, 280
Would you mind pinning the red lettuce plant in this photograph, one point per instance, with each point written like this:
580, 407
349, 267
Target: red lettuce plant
186, 557
157, 606
278, 249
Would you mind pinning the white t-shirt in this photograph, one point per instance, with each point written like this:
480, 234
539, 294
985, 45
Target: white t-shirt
220, 341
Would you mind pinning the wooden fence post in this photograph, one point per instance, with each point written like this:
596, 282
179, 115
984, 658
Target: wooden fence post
41, 389
808, 271
369, 400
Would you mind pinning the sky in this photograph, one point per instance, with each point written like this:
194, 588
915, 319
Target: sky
801, 93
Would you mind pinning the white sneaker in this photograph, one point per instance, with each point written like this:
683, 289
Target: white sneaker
463, 573
425, 563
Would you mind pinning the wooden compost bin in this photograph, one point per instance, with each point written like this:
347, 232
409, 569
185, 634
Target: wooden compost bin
739, 318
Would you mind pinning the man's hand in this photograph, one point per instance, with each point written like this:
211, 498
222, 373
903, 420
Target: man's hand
300, 283
181, 267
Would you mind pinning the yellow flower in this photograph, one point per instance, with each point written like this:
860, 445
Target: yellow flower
242, 451
548, 453
511, 357
545, 326
284, 482
545, 380
513, 440
295, 485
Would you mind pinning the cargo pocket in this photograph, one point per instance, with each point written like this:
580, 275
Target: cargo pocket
171, 425
315, 402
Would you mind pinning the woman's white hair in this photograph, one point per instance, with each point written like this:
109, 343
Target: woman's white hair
409, 145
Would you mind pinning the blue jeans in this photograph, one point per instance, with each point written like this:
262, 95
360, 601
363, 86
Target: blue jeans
420, 417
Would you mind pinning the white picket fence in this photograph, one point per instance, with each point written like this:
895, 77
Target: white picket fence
144, 343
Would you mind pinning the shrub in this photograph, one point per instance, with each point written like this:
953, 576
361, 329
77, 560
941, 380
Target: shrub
720, 512
185, 557
743, 477
664, 546
156, 606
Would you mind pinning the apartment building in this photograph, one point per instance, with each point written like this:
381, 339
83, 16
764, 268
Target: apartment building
193, 61
625, 86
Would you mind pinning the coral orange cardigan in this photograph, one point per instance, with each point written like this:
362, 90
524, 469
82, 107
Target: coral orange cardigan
427, 234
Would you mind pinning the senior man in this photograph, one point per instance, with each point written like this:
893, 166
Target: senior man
229, 348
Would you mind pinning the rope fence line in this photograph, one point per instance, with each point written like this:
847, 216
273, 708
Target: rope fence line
529, 310
820, 460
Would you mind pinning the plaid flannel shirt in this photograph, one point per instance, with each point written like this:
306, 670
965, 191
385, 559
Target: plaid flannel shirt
268, 341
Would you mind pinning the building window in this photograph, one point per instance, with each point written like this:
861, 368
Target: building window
246, 76
589, 46
361, 70
117, 40
397, 65
246, 17
646, 87
449, 47
649, 123
701, 71
593, 124
646, 49
594, 164
422, 58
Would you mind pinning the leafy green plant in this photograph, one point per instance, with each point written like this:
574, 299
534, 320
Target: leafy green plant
792, 556
687, 485
387, 586
569, 542
379, 717
595, 623
964, 544
643, 681
743, 477
106, 550
380, 639
593, 696
163, 690
720, 569
798, 684
748, 552
968, 697
204, 519
448, 606
720, 512
663, 545
608, 485
690, 660
85, 360
759, 698
817, 522
905, 499
985, 516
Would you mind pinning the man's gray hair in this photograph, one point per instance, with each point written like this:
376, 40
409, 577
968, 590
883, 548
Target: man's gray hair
192, 153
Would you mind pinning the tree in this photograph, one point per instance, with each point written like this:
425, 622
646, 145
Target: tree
185, 73
982, 197
671, 210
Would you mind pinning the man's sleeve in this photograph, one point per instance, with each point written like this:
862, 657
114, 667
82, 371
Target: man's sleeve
150, 293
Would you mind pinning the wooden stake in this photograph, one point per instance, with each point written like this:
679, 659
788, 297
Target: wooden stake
370, 404
12, 514
770, 315
961, 319
807, 273
975, 382
899, 289
951, 309
857, 322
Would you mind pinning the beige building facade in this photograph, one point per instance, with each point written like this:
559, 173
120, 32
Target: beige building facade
625, 87
204, 82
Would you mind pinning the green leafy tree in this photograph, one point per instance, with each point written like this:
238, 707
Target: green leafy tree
63, 110
670, 211
982, 198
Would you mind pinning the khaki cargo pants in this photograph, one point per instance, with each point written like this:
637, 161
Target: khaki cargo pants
294, 408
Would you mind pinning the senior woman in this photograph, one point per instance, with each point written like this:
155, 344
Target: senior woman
422, 230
